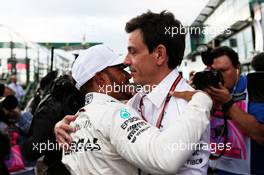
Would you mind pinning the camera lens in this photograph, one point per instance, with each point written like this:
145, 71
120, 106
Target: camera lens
206, 78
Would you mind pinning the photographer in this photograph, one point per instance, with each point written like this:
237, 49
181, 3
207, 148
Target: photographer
230, 98
242, 125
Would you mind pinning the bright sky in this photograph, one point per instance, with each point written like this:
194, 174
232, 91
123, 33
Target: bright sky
97, 20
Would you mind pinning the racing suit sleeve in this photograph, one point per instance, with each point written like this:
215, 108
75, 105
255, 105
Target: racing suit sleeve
157, 152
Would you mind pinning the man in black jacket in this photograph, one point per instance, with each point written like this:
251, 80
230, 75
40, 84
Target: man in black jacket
63, 99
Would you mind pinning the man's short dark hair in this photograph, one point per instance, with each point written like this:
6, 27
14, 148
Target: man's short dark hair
258, 62
153, 27
230, 53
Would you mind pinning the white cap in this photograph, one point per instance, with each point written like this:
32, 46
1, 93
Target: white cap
91, 61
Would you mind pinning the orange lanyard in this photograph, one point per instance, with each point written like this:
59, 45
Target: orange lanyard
158, 124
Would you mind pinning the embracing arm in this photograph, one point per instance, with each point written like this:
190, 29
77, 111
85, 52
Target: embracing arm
158, 152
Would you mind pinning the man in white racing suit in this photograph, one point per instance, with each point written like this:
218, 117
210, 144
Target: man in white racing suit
111, 138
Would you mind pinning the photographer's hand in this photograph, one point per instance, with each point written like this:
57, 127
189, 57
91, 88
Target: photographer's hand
63, 130
220, 95
246, 121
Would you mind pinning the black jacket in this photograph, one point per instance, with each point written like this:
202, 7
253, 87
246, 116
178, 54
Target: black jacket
63, 100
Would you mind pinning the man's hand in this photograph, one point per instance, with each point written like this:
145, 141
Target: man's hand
220, 95
186, 95
63, 130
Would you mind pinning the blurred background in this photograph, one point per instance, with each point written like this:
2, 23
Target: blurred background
29, 30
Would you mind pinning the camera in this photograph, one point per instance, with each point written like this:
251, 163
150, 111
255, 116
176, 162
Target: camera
208, 77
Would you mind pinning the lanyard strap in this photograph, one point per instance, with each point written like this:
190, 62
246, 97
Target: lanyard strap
158, 124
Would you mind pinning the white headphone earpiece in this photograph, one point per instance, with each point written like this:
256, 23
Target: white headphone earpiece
237, 73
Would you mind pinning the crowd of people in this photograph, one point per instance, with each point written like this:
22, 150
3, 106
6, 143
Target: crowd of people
95, 121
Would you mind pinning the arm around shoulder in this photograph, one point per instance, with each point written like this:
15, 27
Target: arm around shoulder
158, 152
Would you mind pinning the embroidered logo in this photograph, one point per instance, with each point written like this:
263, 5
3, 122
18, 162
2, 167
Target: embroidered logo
88, 99
124, 114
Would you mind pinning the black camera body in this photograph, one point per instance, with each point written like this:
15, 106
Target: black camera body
206, 78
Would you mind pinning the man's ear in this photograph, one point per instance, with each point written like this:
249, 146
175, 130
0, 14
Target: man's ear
161, 55
99, 78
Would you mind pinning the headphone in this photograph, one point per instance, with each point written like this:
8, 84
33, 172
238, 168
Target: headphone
237, 74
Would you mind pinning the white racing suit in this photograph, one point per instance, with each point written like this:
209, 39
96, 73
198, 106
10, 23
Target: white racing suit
112, 139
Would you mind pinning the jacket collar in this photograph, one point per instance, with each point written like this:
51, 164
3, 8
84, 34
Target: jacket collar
158, 95
98, 97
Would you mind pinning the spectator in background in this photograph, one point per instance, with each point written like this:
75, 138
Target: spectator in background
61, 99
42, 90
4, 151
9, 116
256, 108
5, 91
9, 112
258, 62
16, 88
255, 87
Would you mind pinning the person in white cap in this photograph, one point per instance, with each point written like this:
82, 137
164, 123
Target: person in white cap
111, 138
